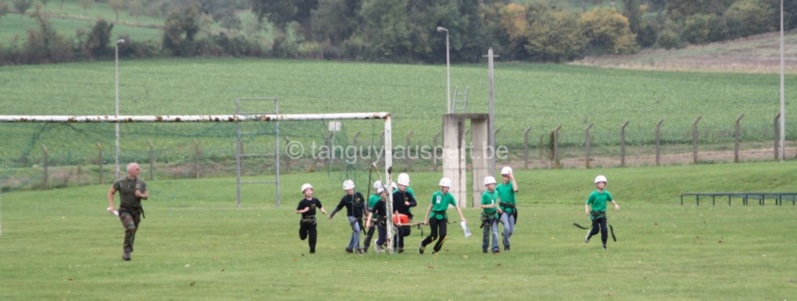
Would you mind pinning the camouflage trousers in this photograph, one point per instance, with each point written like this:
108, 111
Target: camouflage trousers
130, 218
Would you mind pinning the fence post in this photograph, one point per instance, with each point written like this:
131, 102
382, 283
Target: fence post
197, 156
622, 143
587, 142
526, 148
736, 137
151, 160
99, 159
658, 142
777, 134
45, 164
695, 135
556, 163
407, 141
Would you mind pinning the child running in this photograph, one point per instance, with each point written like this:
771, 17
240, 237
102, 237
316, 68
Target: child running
595, 207
307, 225
355, 205
507, 205
437, 218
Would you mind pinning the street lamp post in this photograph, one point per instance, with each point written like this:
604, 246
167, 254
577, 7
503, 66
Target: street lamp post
448, 68
116, 59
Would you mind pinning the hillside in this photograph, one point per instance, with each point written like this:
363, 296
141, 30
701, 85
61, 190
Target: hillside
754, 54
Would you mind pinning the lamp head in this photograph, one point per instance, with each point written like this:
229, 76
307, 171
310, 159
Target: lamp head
441, 29
120, 41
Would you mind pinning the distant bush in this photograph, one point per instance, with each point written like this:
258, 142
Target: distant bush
668, 39
748, 17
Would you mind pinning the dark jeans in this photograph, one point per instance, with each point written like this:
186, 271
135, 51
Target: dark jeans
599, 225
439, 229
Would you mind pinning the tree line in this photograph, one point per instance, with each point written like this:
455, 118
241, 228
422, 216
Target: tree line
400, 30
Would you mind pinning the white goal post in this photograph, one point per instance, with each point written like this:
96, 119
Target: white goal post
231, 118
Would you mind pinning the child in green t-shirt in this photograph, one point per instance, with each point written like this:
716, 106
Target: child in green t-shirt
437, 218
490, 215
507, 204
595, 207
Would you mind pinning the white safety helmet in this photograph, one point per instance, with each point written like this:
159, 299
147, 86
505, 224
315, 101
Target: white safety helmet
305, 186
489, 180
393, 185
445, 182
599, 179
404, 179
506, 170
380, 189
378, 184
348, 184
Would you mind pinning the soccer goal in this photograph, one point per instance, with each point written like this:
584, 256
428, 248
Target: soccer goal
51, 151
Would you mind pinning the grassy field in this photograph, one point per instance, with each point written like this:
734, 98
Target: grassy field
527, 95
71, 17
196, 245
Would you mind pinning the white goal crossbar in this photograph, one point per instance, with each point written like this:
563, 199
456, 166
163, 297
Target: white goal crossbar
193, 118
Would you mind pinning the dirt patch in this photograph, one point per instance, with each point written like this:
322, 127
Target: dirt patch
754, 54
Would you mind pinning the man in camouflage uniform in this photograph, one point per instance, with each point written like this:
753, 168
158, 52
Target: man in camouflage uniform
132, 190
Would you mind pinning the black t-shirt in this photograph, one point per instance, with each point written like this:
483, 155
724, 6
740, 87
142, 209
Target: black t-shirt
399, 198
355, 205
304, 203
379, 211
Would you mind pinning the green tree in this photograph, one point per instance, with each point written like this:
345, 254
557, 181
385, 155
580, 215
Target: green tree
283, 12
230, 20
606, 32
749, 17
4, 9
22, 5
634, 14
337, 20
555, 36
45, 45
116, 5
386, 28
98, 39
135, 8
679, 9
180, 29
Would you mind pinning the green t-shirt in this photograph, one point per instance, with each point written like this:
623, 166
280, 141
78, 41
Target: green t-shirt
372, 200
489, 198
127, 191
507, 196
597, 200
440, 203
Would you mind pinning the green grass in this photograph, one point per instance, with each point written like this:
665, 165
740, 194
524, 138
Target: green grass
527, 95
71, 17
540, 96
195, 245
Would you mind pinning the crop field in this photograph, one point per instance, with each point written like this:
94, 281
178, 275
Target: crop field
194, 244
527, 95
